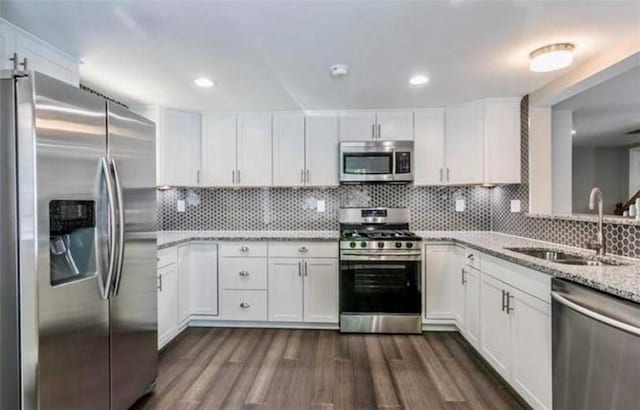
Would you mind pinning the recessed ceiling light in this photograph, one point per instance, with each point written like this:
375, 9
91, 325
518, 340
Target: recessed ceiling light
203, 82
573, 132
419, 80
552, 57
339, 70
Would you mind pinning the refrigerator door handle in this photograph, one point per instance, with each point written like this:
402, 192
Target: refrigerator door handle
106, 285
120, 201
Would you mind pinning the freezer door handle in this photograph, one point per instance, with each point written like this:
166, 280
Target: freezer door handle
120, 200
105, 283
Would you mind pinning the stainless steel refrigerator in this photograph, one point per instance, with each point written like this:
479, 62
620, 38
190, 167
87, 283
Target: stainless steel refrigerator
78, 317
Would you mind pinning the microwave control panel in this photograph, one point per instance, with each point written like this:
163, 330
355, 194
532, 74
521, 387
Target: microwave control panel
403, 162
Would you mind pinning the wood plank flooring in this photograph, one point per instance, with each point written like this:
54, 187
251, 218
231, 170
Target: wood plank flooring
320, 369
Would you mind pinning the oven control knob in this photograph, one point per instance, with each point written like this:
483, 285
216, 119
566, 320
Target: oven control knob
398, 244
352, 244
409, 245
363, 244
380, 245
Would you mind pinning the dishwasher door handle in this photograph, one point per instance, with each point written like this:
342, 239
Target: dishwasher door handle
595, 315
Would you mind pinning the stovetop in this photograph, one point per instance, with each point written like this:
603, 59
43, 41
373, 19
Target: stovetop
378, 235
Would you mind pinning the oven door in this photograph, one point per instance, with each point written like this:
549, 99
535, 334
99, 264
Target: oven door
378, 287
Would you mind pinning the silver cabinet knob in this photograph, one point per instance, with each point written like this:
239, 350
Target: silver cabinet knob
244, 305
244, 249
303, 249
243, 273
470, 257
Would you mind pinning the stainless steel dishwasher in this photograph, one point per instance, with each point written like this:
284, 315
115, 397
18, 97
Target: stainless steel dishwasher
596, 349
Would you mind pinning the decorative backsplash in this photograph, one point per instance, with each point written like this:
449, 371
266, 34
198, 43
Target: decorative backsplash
621, 239
432, 208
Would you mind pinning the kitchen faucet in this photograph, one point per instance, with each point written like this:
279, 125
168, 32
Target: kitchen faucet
599, 245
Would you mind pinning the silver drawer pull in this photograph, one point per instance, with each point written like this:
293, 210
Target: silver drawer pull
244, 249
243, 273
244, 305
470, 257
303, 249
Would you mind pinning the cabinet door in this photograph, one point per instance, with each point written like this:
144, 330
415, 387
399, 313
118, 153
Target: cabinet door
429, 150
204, 278
494, 324
254, 150
358, 126
179, 146
464, 144
167, 303
395, 126
441, 282
219, 149
321, 290
472, 306
531, 348
457, 264
184, 283
322, 150
502, 141
285, 289
7, 45
288, 149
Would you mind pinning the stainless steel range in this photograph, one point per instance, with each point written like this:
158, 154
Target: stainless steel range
380, 266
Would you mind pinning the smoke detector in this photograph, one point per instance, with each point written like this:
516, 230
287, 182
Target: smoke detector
339, 70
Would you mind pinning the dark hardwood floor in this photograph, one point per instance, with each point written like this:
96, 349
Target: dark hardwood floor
309, 369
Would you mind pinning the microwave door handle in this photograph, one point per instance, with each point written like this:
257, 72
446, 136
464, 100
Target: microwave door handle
120, 198
105, 283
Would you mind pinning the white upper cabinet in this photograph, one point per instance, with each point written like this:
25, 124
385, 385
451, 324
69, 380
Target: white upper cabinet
381, 126
394, 126
464, 144
289, 149
218, 149
358, 126
321, 153
502, 141
429, 147
40, 56
178, 148
254, 150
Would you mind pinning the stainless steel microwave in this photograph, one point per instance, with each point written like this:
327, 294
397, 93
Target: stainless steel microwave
376, 161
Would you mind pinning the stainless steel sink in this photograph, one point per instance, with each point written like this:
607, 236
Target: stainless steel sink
565, 258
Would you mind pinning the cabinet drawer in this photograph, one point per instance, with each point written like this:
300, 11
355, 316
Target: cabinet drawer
303, 249
527, 280
243, 248
472, 258
167, 256
244, 305
243, 273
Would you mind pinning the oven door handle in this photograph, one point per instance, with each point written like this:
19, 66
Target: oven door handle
376, 255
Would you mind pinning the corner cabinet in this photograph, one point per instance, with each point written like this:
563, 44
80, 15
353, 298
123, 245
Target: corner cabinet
469, 144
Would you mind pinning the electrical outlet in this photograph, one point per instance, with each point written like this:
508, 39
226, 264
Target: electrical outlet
460, 205
515, 205
181, 205
320, 205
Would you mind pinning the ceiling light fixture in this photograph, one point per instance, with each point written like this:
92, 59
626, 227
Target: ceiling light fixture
573, 132
203, 82
552, 57
419, 80
339, 70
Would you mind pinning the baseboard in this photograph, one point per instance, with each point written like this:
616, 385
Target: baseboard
266, 325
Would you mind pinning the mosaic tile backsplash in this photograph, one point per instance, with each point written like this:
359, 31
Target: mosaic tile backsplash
432, 208
621, 239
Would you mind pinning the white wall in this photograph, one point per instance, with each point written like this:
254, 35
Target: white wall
634, 171
606, 168
561, 153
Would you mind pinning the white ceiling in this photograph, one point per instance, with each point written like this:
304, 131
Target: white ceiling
602, 115
266, 55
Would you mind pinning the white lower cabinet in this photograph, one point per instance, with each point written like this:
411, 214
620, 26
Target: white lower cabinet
321, 290
285, 289
184, 283
167, 303
459, 292
203, 289
494, 324
440, 282
471, 285
245, 305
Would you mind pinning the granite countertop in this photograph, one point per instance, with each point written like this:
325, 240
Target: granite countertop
622, 281
167, 239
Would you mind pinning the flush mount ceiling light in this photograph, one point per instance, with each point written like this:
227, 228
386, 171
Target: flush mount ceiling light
573, 132
339, 70
552, 57
203, 82
419, 80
